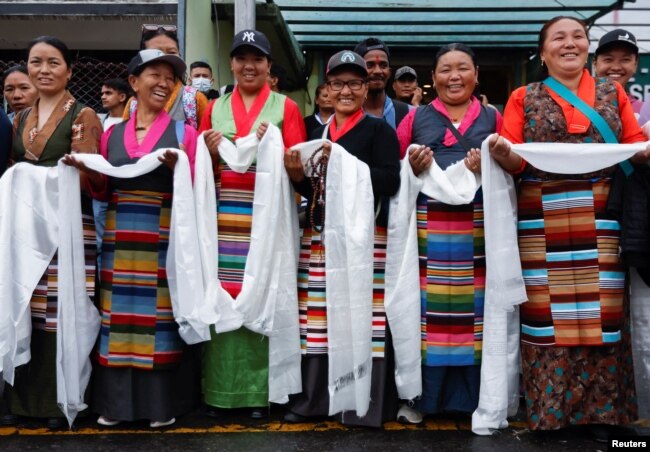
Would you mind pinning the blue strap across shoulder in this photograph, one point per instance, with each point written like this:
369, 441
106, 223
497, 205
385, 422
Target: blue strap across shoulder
599, 123
180, 132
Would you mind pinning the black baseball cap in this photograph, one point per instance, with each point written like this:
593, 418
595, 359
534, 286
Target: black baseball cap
346, 59
369, 44
618, 36
251, 38
147, 57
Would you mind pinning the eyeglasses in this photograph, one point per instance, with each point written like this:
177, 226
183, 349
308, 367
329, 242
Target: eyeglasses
354, 85
156, 27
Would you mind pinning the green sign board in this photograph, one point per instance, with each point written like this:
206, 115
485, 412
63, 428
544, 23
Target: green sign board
640, 84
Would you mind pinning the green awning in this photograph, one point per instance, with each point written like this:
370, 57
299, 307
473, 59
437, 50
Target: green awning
321, 24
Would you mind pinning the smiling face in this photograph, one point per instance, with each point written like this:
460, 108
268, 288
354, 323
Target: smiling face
47, 69
154, 85
378, 69
565, 49
250, 68
617, 62
455, 77
163, 43
19, 91
347, 101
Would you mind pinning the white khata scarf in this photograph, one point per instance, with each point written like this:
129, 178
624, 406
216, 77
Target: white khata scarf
348, 237
40, 211
456, 185
505, 289
268, 301
37, 224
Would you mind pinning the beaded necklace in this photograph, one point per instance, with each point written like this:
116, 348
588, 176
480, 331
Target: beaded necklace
318, 164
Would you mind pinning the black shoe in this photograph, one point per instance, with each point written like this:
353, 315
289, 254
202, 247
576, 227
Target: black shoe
294, 418
9, 419
56, 423
258, 413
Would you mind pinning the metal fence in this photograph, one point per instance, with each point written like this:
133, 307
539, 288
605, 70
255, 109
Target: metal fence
87, 77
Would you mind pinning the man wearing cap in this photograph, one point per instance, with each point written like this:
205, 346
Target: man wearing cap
378, 104
406, 86
617, 57
236, 370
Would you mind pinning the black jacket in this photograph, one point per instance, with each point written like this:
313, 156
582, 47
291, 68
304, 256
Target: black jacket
629, 203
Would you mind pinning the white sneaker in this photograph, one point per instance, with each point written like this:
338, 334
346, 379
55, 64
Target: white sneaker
107, 422
159, 424
408, 415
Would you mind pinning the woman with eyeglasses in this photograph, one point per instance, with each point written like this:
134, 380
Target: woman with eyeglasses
235, 363
186, 102
56, 125
373, 142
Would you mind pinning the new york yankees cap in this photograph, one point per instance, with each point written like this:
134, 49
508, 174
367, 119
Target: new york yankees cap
618, 36
251, 38
147, 57
346, 59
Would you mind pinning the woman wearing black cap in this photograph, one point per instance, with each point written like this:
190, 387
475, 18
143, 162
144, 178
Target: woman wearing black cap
145, 370
235, 364
54, 126
375, 143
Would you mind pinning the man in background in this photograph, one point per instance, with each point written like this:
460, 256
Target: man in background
406, 86
201, 77
115, 93
378, 104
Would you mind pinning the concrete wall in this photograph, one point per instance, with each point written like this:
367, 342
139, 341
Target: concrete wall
208, 41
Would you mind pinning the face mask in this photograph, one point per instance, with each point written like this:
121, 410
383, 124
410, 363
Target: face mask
202, 84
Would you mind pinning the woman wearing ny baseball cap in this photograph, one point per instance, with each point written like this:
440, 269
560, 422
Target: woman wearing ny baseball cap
235, 364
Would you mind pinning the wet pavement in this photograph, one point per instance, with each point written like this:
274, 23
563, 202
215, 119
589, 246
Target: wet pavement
236, 432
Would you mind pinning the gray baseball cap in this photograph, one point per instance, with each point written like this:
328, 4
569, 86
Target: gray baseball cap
405, 70
147, 57
347, 59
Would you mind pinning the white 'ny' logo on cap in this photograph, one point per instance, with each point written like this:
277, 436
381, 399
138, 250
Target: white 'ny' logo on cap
249, 36
347, 57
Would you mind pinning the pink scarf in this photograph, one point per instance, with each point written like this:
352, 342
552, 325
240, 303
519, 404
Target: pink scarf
472, 113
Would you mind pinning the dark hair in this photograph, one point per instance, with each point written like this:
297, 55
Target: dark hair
118, 84
56, 43
543, 33
280, 73
454, 47
148, 35
319, 89
369, 44
202, 64
12, 69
